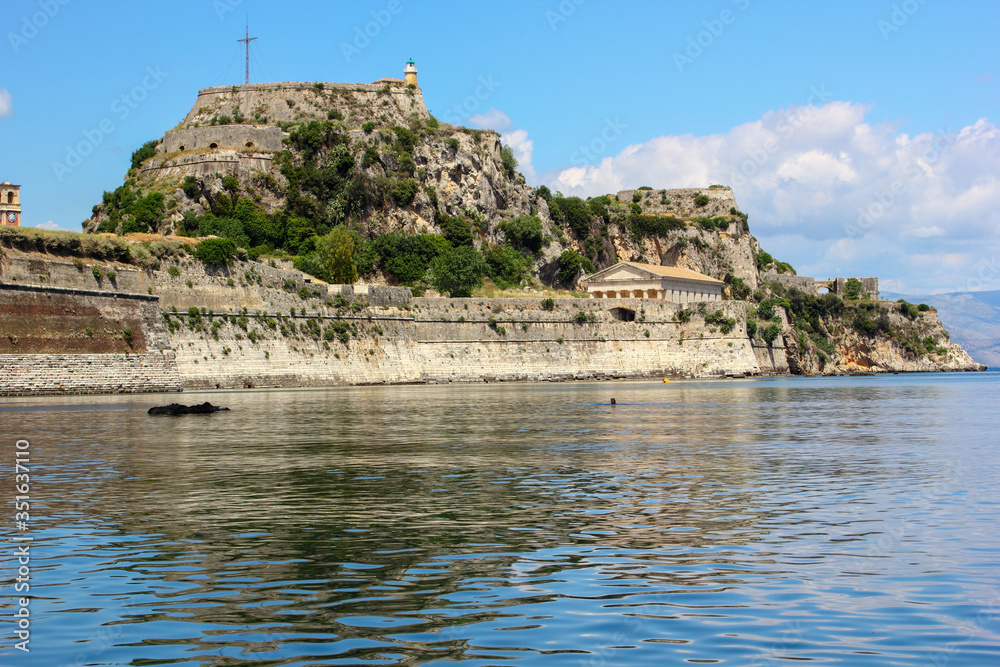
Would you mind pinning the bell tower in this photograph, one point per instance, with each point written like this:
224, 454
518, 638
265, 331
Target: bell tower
410, 73
10, 204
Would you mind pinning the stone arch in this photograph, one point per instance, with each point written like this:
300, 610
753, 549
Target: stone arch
249, 144
10, 197
181, 147
213, 145
622, 314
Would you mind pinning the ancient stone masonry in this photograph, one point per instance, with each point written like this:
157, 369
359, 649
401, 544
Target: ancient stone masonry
62, 340
264, 138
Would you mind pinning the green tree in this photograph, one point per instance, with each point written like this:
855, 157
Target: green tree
570, 264
336, 252
523, 232
505, 266
456, 230
852, 289
215, 252
457, 271
770, 333
508, 160
146, 151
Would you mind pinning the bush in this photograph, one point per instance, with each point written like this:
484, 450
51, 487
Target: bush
405, 191
852, 289
701, 200
574, 212
751, 329
505, 266
173, 271
146, 151
548, 304
770, 333
368, 127
191, 187
580, 318
457, 271
683, 315
570, 264
508, 160
523, 232
216, 252
456, 230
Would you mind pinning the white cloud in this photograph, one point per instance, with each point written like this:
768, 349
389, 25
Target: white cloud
834, 194
48, 225
494, 119
6, 106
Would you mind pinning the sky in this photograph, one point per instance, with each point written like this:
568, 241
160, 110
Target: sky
859, 136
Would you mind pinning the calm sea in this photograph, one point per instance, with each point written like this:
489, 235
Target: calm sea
847, 521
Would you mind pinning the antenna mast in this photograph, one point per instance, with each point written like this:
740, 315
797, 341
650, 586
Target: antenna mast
246, 40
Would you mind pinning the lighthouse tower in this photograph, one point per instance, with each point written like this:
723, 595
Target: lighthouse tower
410, 73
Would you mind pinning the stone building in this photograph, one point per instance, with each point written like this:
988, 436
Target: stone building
10, 204
650, 281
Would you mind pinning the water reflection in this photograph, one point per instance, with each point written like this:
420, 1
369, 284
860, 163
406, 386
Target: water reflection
740, 522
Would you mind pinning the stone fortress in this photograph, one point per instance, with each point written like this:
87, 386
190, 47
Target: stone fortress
239, 127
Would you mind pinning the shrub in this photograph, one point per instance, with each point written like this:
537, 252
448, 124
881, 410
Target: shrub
98, 272
770, 333
216, 252
548, 304
505, 266
751, 329
456, 230
405, 191
923, 308
146, 151
173, 271
570, 264
368, 127
580, 318
523, 232
191, 187
574, 212
701, 200
508, 160
334, 114
457, 271
683, 315
452, 143
852, 288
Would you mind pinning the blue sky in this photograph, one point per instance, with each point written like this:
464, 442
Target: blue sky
859, 136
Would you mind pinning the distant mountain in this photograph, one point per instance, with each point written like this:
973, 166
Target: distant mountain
972, 318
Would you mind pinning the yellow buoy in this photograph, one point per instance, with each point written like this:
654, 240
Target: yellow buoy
666, 380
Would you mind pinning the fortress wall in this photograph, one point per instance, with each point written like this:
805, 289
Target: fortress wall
291, 101
805, 283
431, 343
404, 340
267, 138
58, 340
682, 201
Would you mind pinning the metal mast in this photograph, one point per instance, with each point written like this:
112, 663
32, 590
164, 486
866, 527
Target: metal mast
246, 40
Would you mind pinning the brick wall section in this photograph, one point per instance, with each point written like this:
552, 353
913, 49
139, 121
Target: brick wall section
60, 340
37, 374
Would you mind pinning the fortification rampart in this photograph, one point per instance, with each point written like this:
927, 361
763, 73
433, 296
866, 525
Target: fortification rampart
61, 340
299, 101
258, 138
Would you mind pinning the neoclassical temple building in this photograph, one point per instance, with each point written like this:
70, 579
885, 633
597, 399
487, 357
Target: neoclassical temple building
631, 280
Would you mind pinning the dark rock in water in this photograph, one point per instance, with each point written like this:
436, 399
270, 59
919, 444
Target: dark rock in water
175, 409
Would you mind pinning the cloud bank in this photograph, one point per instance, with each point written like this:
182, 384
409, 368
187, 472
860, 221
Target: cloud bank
836, 195
6, 106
